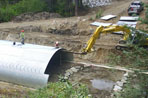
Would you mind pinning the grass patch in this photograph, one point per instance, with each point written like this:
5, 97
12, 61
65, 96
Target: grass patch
136, 87
61, 90
99, 13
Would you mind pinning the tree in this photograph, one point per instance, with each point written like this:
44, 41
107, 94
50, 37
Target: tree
76, 7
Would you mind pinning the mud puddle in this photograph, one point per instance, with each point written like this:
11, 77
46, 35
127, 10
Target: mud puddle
101, 84
100, 81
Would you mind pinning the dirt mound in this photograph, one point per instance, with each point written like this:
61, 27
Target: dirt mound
100, 56
35, 16
64, 27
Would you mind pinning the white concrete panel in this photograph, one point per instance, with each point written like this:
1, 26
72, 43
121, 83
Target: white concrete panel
100, 24
107, 17
128, 18
127, 23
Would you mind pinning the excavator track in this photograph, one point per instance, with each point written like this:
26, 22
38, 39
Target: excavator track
121, 47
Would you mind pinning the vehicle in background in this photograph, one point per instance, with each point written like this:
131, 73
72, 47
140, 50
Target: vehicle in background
136, 7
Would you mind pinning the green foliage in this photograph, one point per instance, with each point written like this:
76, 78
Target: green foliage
91, 19
11, 8
134, 15
145, 20
99, 14
24, 6
136, 87
64, 8
136, 56
61, 90
114, 59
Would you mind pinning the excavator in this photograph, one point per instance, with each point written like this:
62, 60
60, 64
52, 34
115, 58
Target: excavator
109, 29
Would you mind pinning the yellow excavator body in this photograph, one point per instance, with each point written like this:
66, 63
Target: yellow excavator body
105, 29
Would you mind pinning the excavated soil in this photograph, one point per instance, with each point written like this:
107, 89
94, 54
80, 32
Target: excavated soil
72, 33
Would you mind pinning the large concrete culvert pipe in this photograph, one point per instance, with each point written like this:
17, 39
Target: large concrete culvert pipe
29, 65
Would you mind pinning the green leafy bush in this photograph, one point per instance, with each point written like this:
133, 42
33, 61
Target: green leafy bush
136, 55
9, 10
61, 90
24, 6
145, 20
64, 8
136, 87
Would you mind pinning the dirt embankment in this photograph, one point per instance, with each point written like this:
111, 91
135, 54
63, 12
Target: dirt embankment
35, 16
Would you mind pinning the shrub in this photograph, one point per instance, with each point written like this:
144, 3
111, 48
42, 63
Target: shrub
99, 14
145, 20
136, 55
61, 90
64, 8
136, 87
24, 6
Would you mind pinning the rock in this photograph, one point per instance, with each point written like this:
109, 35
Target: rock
74, 69
84, 20
89, 95
117, 88
123, 80
77, 67
81, 68
66, 78
85, 66
69, 71
134, 75
67, 74
126, 74
119, 83
55, 15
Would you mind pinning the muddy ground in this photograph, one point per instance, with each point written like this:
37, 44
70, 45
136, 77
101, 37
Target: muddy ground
100, 81
72, 33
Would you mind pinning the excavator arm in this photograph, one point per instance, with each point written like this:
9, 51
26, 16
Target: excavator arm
116, 28
92, 40
102, 29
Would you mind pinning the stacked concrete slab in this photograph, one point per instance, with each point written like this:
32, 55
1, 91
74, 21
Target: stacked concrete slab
96, 3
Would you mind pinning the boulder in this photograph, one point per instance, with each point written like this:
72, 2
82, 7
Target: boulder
117, 88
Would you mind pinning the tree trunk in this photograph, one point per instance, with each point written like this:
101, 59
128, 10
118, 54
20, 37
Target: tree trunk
76, 7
